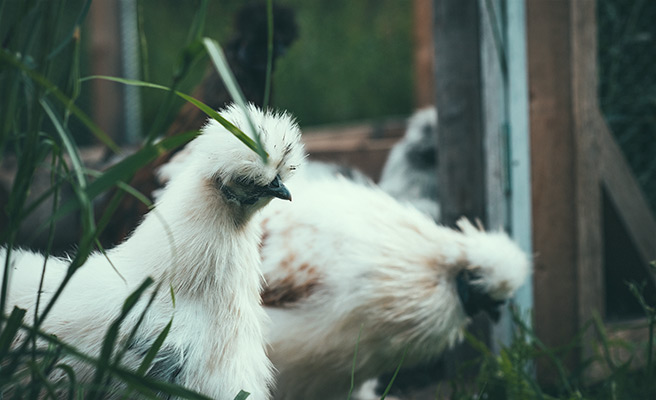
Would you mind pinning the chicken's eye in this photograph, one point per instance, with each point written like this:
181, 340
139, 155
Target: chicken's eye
245, 182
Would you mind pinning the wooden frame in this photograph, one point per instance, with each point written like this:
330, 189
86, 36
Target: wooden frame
573, 155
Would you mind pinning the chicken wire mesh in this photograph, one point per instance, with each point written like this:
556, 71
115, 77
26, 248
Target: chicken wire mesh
627, 82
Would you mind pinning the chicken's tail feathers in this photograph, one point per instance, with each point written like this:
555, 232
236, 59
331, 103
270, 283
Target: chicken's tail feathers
499, 264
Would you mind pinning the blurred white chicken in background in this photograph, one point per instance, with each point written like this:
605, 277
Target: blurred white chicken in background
200, 240
346, 260
410, 172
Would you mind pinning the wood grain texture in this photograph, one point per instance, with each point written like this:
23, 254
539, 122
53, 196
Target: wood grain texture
458, 101
553, 175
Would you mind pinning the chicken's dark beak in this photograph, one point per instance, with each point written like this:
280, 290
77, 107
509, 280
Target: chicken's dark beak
277, 189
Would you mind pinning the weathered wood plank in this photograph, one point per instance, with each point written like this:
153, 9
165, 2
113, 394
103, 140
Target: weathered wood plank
553, 178
625, 192
589, 263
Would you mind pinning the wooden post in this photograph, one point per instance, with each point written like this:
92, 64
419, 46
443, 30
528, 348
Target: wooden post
105, 60
424, 53
458, 100
554, 182
461, 173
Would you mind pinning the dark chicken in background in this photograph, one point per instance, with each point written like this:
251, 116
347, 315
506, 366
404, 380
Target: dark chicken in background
246, 53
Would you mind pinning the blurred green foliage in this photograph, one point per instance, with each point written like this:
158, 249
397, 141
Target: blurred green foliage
352, 60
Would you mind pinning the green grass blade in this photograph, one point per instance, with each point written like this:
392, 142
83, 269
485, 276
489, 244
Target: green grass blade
198, 24
152, 352
144, 385
222, 67
202, 106
242, 395
135, 328
72, 382
111, 337
396, 372
143, 42
88, 223
8, 58
150, 387
172, 296
122, 171
134, 297
355, 356
10, 330
71, 33
69, 144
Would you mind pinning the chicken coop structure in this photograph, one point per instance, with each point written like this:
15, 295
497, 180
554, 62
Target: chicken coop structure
523, 145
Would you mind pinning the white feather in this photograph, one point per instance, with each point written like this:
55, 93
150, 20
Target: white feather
409, 174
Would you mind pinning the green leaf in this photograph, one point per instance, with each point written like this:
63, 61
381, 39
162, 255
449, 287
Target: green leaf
242, 395
71, 33
355, 355
72, 382
122, 172
398, 368
152, 352
202, 106
7, 58
10, 330
134, 297
69, 144
172, 296
111, 337
222, 67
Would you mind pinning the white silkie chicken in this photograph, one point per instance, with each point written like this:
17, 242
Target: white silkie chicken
410, 172
346, 260
200, 239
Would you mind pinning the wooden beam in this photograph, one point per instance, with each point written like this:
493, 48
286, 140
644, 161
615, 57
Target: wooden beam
424, 53
553, 181
589, 261
626, 194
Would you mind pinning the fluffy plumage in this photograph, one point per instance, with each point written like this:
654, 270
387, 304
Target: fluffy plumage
200, 240
347, 257
410, 172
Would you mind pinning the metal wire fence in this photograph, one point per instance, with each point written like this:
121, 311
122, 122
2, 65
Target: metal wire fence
627, 82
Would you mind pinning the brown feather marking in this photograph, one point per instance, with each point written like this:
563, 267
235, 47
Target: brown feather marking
287, 293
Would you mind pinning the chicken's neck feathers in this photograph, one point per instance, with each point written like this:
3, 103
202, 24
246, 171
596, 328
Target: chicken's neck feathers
198, 250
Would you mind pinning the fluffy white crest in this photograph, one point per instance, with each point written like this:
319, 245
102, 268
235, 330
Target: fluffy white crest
220, 154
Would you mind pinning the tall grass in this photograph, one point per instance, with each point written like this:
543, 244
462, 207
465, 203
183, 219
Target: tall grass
40, 85
511, 373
